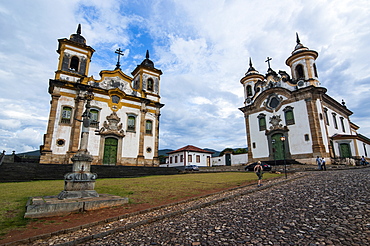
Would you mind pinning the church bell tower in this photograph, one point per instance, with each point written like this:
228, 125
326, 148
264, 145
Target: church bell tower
74, 57
302, 65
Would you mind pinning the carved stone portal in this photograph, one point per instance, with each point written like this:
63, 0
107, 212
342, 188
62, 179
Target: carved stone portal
112, 127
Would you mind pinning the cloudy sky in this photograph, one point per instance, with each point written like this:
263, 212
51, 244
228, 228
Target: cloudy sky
202, 47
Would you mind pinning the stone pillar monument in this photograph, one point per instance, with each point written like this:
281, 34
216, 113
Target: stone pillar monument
80, 183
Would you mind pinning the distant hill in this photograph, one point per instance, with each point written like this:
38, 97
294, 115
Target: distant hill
215, 152
29, 153
164, 151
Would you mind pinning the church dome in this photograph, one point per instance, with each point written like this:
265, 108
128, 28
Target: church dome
147, 62
77, 37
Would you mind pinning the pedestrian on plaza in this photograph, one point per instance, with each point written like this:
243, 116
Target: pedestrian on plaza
323, 166
258, 169
318, 161
363, 161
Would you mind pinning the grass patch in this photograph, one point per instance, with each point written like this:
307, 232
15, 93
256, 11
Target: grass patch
150, 189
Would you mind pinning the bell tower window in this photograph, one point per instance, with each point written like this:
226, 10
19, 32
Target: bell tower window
315, 70
299, 71
150, 85
249, 90
74, 63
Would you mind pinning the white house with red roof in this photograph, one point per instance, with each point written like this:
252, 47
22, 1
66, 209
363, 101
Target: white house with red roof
189, 155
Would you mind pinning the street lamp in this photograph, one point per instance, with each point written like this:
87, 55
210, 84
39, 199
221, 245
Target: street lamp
273, 151
282, 138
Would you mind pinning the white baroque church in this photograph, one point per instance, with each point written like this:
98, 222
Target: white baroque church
124, 110
293, 117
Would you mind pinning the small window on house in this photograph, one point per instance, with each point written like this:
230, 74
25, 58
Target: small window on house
171, 159
74, 63
94, 116
148, 127
131, 119
262, 122
342, 124
175, 159
198, 158
306, 137
289, 116
150, 85
326, 116
249, 90
190, 158
335, 120
181, 158
299, 71
66, 115
254, 145
321, 117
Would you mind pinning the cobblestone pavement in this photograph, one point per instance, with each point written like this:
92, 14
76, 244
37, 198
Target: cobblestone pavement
323, 208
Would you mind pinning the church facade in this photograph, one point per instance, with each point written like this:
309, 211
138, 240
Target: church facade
124, 112
293, 117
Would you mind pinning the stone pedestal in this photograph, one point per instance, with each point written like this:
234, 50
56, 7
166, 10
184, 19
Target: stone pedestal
80, 183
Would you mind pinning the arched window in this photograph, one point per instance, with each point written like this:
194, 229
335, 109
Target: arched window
150, 85
262, 122
66, 115
335, 120
315, 70
342, 124
289, 116
249, 90
148, 127
326, 116
299, 71
131, 121
74, 63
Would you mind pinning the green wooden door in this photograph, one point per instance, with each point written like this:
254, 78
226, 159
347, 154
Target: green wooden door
278, 145
110, 151
345, 150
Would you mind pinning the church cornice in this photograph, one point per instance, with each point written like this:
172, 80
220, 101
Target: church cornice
335, 105
300, 54
63, 41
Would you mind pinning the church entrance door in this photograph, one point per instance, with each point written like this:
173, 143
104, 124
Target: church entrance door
278, 145
345, 150
110, 151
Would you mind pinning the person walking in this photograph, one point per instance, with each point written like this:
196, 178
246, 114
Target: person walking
323, 166
258, 169
363, 161
318, 161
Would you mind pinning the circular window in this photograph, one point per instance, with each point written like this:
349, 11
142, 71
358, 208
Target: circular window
148, 149
61, 142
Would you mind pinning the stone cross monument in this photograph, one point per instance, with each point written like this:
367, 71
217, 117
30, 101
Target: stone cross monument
80, 183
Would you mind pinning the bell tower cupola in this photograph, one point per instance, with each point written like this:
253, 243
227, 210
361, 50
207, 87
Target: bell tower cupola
302, 65
74, 58
251, 83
